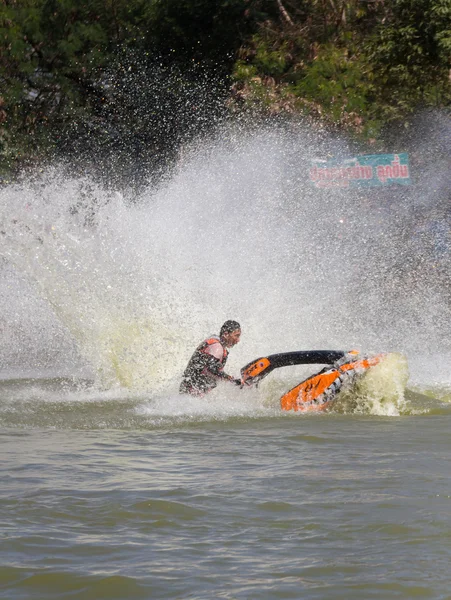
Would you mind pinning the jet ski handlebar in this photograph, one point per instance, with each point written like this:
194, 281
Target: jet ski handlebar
259, 368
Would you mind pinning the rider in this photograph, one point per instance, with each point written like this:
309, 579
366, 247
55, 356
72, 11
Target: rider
206, 366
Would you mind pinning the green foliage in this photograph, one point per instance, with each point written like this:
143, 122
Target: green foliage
335, 80
410, 58
92, 76
269, 61
57, 59
49, 52
360, 65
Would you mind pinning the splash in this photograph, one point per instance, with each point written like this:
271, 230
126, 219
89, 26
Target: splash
125, 286
380, 391
83, 262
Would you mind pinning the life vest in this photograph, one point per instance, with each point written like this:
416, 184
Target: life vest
209, 342
197, 378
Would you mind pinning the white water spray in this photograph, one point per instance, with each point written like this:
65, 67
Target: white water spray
236, 232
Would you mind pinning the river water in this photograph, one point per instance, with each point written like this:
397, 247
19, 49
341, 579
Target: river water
107, 497
115, 487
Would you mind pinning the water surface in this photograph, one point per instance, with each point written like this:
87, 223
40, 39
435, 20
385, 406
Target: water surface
106, 498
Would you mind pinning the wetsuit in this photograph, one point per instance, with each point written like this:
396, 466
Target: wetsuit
205, 368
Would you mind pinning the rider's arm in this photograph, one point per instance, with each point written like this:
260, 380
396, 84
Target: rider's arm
214, 366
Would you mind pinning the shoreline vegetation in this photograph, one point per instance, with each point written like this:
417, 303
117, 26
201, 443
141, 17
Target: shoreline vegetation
129, 83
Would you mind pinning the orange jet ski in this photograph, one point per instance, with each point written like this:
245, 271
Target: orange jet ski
317, 391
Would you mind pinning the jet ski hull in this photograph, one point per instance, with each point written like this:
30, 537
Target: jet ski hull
317, 392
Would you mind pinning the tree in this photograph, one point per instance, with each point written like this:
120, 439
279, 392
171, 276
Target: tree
358, 65
64, 63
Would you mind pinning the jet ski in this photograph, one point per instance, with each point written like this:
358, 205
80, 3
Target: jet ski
318, 391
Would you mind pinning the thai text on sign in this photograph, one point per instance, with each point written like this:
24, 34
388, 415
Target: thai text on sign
367, 170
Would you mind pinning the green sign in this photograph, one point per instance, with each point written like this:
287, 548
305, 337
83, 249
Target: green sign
362, 171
